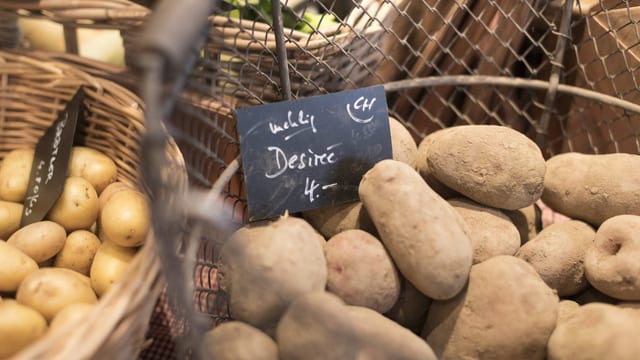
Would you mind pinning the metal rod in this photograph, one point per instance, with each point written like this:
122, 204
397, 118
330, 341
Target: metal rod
557, 67
70, 39
283, 63
466, 80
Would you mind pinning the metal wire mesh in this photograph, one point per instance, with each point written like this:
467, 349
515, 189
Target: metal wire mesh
553, 47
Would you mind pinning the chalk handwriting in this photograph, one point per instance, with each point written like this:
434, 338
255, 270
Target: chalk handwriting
303, 122
364, 105
301, 160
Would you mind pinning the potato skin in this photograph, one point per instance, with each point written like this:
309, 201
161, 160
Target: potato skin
49, 290
331, 220
493, 165
558, 255
70, 314
19, 326
494, 317
267, 264
596, 331
526, 220
360, 271
566, 309
611, 263
403, 146
40, 240
492, 232
10, 217
125, 219
15, 170
235, 340
591, 187
319, 323
426, 172
109, 264
410, 311
16, 265
415, 224
78, 252
77, 206
92, 165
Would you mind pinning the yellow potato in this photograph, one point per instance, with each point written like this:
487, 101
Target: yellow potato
77, 206
125, 219
10, 216
78, 252
19, 327
93, 166
14, 174
111, 189
40, 240
71, 314
49, 290
110, 262
16, 265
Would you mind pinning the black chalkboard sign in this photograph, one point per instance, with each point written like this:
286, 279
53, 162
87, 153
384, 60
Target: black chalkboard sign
311, 152
51, 162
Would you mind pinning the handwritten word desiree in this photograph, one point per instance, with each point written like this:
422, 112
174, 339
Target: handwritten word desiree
304, 122
301, 160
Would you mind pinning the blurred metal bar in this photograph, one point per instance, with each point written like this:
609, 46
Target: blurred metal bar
283, 63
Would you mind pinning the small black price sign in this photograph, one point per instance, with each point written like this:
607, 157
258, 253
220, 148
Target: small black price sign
312, 152
51, 162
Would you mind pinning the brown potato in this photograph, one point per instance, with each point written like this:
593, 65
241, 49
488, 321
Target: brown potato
558, 255
16, 265
235, 340
611, 263
591, 187
49, 290
77, 206
426, 173
403, 146
331, 220
125, 219
492, 165
267, 264
491, 231
40, 240
78, 252
15, 171
415, 224
10, 217
360, 271
20, 326
566, 309
92, 165
527, 221
596, 331
506, 312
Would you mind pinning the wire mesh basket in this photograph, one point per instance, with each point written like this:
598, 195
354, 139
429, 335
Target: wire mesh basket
561, 72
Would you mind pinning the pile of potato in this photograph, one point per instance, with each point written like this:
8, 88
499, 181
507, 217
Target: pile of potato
442, 258
53, 271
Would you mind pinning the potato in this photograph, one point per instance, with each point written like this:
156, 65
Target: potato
78, 252
10, 217
492, 232
40, 240
15, 171
108, 191
403, 146
593, 188
73, 313
49, 290
77, 206
235, 340
558, 254
416, 224
611, 263
426, 172
493, 165
506, 312
410, 311
526, 220
566, 309
92, 165
125, 219
360, 271
319, 323
331, 220
267, 264
16, 265
596, 331
109, 264
20, 326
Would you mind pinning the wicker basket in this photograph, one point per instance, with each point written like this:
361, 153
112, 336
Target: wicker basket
31, 93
